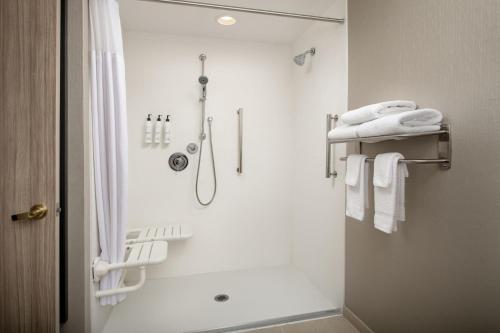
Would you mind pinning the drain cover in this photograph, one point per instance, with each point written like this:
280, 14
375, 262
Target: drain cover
221, 298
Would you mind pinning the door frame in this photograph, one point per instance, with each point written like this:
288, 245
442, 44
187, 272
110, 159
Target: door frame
81, 305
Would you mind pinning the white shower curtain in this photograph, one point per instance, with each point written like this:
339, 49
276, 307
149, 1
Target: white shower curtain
109, 136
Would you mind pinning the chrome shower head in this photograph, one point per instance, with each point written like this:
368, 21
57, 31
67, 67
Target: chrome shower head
301, 58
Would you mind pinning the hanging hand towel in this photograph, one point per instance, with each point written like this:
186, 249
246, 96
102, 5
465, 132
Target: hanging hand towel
389, 185
343, 132
356, 180
422, 120
375, 111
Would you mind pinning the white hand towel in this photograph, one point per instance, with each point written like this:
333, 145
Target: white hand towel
422, 120
389, 185
356, 180
375, 111
343, 132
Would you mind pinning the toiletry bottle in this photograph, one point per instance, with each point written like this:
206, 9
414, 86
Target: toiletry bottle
158, 125
148, 130
167, 130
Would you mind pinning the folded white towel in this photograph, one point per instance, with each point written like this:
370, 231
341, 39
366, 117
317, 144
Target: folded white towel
389, 189
356, 181
343, 132
422, 120
375, 111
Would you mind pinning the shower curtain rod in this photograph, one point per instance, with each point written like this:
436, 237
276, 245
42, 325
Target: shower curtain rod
249, 10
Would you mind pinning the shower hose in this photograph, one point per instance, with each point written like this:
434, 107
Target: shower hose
213, 165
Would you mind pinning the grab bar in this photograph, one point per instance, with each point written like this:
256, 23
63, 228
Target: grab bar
328, 172
239, 169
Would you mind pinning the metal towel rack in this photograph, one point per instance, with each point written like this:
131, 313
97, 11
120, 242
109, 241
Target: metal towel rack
329, 172
443, 146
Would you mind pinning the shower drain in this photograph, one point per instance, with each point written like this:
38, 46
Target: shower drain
221, 298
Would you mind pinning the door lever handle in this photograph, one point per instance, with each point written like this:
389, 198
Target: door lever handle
37, 212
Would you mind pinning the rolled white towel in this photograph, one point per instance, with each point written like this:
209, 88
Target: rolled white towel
422, 120
375, 111
343, 132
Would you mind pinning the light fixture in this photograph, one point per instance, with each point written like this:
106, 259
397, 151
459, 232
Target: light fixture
226, 20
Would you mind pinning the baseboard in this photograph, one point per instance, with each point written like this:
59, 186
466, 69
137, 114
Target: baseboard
356, 321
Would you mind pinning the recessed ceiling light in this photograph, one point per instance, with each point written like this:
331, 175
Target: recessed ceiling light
226, 20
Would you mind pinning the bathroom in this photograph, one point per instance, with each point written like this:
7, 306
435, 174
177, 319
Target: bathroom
250, 166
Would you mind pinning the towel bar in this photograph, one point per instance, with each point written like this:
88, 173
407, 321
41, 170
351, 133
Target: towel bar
411, 161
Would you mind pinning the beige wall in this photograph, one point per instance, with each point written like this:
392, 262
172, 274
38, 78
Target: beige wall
441, 271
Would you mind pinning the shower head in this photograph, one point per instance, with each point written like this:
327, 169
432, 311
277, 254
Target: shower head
301, 58
203, 80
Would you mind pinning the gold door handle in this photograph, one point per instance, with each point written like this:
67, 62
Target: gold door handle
36, 212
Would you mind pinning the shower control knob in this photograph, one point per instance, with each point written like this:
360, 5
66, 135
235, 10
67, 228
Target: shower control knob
178, 161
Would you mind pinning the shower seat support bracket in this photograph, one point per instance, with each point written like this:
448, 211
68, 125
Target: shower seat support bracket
139, 256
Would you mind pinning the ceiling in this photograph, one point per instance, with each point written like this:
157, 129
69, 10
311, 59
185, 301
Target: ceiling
181, 20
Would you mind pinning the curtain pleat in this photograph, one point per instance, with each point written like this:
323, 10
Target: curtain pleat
109, 136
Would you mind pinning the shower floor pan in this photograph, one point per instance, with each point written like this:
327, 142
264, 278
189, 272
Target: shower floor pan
220, 302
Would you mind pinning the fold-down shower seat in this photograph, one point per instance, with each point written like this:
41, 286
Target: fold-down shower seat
172, 232
138, 255
145, 246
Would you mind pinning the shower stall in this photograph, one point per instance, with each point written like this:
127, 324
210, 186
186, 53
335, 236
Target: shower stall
266, 242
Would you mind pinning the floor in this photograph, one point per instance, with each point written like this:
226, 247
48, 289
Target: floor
335, 324
186, 304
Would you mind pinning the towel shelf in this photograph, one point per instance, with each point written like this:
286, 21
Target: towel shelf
445, 129
443, 145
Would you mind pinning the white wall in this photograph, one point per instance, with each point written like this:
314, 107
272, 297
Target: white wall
248, 224
318, 209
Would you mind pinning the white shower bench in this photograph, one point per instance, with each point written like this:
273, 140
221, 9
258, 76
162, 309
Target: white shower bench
149, 233
138, 255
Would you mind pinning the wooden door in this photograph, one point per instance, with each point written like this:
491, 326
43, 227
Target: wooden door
29, 114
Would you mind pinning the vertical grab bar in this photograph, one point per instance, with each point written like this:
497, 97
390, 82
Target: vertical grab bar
328, 172
239, 169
